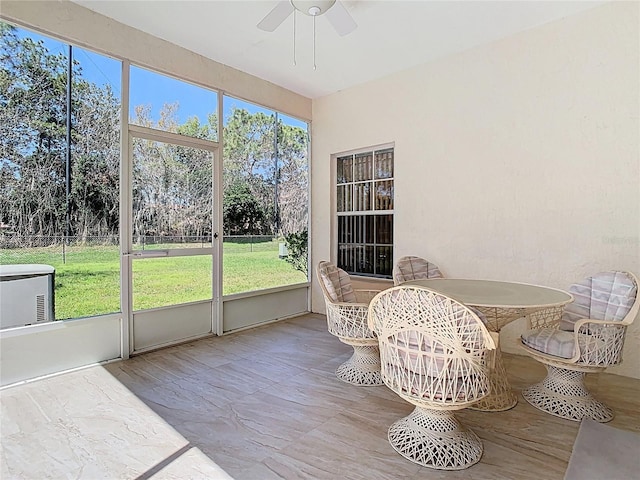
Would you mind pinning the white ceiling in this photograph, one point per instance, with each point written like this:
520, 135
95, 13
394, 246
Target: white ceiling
392, 35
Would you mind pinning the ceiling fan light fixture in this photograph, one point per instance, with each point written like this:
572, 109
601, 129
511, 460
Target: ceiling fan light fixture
338, 17
312, 8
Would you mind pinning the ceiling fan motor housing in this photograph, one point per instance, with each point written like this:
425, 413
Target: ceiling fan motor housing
313, 8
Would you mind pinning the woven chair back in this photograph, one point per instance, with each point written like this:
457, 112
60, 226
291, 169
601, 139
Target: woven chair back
604, 296
433, 349
335, 283
414, 268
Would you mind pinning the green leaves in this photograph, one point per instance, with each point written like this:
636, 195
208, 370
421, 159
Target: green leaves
243, 214
297, 246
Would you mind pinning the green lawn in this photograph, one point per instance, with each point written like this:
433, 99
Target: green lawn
88, 280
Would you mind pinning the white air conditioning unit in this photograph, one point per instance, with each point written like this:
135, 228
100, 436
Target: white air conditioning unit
26, 294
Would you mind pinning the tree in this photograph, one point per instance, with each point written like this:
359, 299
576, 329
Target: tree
32, 132
33, 128
250, 158
95, 160
242, 212
293, 180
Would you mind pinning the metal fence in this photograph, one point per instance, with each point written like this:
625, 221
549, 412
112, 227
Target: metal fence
8, 242
45, 249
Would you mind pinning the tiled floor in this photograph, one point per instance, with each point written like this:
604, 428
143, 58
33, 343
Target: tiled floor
262, 404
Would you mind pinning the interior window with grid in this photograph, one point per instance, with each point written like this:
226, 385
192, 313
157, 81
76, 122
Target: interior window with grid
365, 212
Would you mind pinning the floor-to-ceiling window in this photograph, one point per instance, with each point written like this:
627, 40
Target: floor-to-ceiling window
59, 169
265, 198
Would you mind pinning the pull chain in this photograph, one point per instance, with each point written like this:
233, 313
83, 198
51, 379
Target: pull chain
314, 42
294, 37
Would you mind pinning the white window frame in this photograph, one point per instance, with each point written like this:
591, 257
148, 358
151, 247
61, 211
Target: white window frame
336, 214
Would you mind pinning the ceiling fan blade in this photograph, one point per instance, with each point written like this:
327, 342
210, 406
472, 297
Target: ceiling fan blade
341, 20
275, 17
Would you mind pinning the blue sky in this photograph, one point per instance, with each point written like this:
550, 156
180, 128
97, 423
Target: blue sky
150, 88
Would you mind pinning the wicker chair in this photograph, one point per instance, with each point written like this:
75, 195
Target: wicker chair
587, 338
347, 319
414, 268
435, 354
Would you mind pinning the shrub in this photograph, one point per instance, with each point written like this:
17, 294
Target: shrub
297, 245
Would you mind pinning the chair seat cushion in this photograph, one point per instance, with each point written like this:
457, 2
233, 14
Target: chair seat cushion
559, 343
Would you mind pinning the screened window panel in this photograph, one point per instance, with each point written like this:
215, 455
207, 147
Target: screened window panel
78, 234
151, 275
362, 196
384, 229
345, 257
384, 259
384, 195
340, 178
363, 259
345, 169
370, 228
363, 167
356, 234
265, 182
184, 108
384, 163
341, 230
344, 198
172, 195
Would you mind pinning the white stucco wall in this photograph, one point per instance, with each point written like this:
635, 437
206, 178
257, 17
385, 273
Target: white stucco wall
518, 160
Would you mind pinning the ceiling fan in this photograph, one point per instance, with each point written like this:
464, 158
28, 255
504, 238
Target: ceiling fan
337, 15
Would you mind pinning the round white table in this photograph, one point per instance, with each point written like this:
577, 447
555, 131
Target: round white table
500, 303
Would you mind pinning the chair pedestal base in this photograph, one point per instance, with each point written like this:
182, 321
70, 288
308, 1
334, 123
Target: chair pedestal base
564, 394
363, 368
435, 439
501, 397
